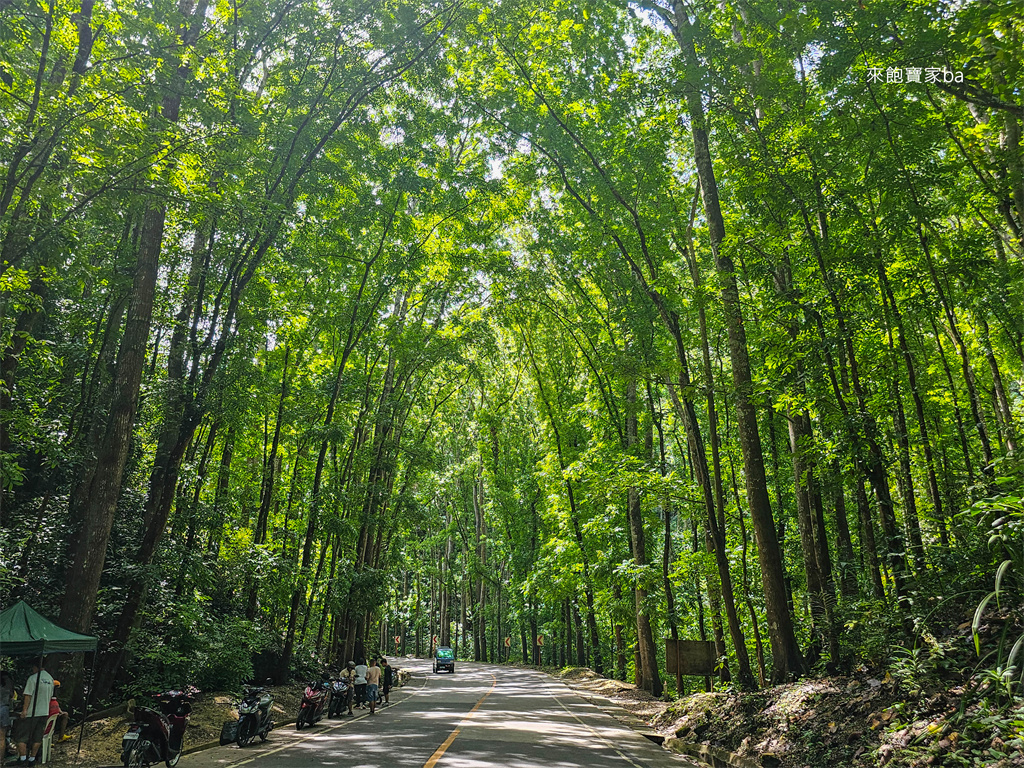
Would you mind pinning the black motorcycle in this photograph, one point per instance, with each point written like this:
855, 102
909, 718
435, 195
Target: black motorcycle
157, 736
340, 693
254, 714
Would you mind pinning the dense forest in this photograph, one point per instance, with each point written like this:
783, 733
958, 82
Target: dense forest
340, 325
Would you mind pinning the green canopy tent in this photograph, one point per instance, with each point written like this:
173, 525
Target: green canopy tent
25, 632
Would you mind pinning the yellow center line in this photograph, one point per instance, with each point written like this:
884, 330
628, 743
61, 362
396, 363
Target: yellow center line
439, 753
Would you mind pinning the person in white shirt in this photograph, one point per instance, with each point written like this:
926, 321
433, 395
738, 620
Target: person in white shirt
361, 669
35, 710
373, 685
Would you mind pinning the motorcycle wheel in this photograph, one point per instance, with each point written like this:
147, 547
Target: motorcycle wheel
246, 732
136, 757
299, 723
264, 735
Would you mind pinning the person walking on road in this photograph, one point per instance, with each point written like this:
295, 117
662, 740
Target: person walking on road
361, 683
373, 685
387, 680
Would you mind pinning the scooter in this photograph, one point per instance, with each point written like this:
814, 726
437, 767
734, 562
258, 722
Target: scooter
314, 702
254, 714
154, 736
339, 697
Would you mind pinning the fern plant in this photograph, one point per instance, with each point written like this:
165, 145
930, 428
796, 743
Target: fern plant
1006, 537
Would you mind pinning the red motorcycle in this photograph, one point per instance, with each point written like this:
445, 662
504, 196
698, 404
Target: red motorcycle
157, 736
314, 702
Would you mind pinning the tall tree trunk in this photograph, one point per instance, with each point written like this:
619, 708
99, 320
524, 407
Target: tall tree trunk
445, 634
911, 520
481, 539
191, 509
844, 542
813, 543
715, 537
94, 500
711, 486
634, 515
464, 605
267, 486
799, 443
1004, 415
915, 393
867, 539
311, 525
758, 645
666, 555
419, 619
620, 643
581, 648
785, 649
220, 500
957, 414
574, 518
335, 546
953, 329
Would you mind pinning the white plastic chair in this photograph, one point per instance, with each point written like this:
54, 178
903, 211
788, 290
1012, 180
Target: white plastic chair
44, 751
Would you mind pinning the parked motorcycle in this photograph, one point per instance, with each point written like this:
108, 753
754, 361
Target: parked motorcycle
339, 697
314, 702
154, 736
254, 714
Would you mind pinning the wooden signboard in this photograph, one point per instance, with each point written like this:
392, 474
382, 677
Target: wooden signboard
690, 657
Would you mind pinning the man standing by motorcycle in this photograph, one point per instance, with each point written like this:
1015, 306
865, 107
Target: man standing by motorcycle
360, 670
348, 677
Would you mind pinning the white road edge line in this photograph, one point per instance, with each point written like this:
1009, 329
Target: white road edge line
618, 751
309, 736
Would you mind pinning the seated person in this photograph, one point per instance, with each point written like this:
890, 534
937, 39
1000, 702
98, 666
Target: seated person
61, 723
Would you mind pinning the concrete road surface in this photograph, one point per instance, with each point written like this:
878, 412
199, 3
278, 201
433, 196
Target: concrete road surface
481, 717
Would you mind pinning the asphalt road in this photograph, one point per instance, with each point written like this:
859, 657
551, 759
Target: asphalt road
481, 717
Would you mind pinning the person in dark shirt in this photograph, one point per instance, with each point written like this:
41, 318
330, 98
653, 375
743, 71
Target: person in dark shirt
349, 676
387, 680
6, 696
